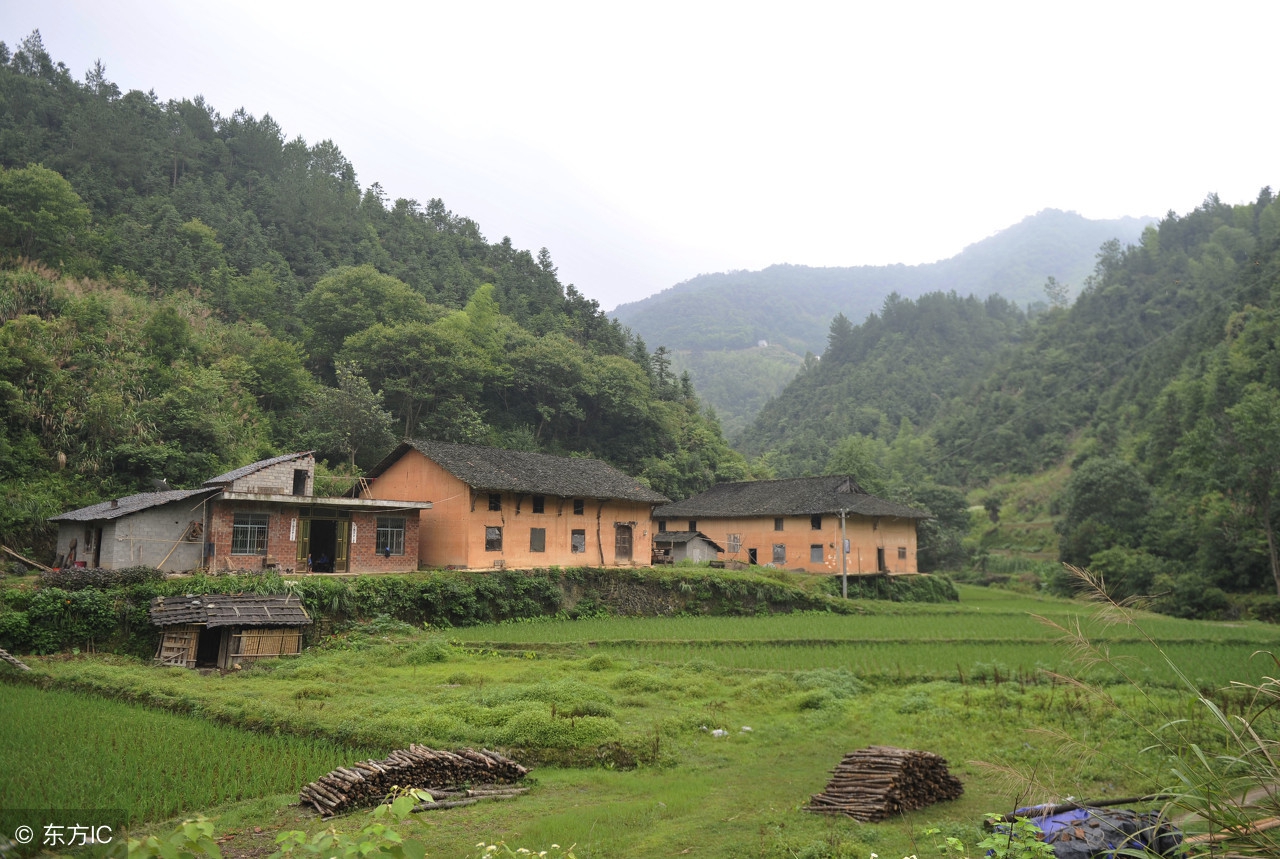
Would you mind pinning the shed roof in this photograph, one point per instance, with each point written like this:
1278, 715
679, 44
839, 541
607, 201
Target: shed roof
679, 538
129, 504
798, 496
497, 470
246, 470
230, 610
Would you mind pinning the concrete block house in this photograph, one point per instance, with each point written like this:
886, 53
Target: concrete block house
494, 508
795, 524
262, 515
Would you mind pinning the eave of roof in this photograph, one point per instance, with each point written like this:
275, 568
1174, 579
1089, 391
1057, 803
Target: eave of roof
799, 496
129, 504
216, 610
327, 501
246, 470
491, 469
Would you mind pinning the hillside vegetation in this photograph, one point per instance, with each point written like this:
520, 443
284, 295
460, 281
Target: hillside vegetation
1159, 387
182, 292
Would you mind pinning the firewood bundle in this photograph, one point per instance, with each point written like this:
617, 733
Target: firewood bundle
368, 782
877, 782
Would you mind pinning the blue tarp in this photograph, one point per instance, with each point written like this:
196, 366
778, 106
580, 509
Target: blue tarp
1092, 833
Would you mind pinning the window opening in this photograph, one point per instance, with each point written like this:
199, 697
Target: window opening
779, 553
537, 539
495, 501
578, 541
493, 539
390, 535
249, 534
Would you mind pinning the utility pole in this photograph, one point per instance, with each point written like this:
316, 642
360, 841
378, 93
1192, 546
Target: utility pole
844, 557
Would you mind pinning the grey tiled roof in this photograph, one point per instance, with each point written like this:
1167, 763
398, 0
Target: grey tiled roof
495, 470
230, 610
127, 505
679, 538
799, 496
246, 470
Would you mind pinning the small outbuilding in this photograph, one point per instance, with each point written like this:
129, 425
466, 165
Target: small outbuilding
670, 547
223, 630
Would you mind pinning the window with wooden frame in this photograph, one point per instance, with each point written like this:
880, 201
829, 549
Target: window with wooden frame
537, 539
815, 521
816, 554
693, 524
249, 533
495, 500
578, 541
579, 507
902, 553
733, 543
493, 539
779, 553
539, 504
778, 523
390, 535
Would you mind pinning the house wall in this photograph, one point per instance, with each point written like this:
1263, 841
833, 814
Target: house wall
865, 534
277, 479
283, 530
452, 532
146, 538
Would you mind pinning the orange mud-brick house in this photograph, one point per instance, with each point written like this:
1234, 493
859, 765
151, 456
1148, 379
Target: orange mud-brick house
796, 525
494, 508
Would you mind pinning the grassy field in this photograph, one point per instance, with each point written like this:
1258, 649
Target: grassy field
958, 680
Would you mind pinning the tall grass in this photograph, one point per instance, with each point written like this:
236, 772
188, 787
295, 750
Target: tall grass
1228, 783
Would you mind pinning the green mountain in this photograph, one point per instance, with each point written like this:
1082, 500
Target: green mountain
1157, 390
792, 305
714, 324
182, 292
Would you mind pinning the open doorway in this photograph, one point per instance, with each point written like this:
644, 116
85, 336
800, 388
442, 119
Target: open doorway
207, 648
324, 537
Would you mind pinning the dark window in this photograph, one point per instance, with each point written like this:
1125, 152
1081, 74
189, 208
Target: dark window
815, 522
578, 538
662, 526
249, 534
493, 539
579, 507
495, 501
537, 539
751, 557
390, 535
779, 553
539, 504
299, 481
902, 553
815, 554
777, 524
880, 564
693, 524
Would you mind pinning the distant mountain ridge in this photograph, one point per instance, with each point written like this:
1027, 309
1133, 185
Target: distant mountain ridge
793, 305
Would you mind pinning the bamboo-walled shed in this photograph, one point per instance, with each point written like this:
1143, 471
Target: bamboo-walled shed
224, 630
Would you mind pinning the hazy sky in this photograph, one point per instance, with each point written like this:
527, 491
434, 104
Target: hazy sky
645, 143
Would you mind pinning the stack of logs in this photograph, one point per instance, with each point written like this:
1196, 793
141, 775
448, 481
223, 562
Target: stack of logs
369, 782
877, 782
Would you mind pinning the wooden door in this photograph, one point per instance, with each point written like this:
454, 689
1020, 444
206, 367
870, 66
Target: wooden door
304, 544
341, 536
622, 544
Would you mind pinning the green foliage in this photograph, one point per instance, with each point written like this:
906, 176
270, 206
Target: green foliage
1104, 504
41, 216
377, 838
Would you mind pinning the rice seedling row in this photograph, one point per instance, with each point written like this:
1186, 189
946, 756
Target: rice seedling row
67, 750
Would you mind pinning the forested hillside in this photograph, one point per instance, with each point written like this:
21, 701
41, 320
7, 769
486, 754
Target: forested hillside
713, 324
183, 292
792, 305
1159, 387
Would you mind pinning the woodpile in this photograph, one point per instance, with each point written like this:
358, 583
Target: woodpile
440, 773
877, 782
